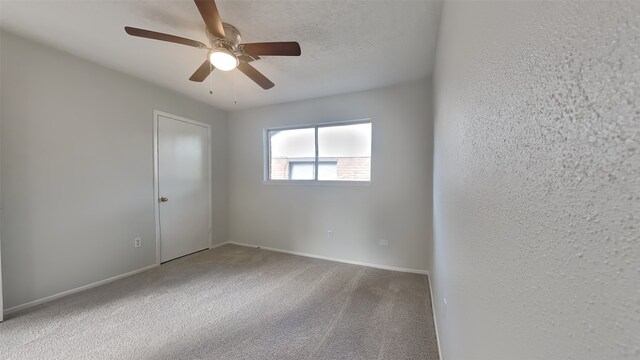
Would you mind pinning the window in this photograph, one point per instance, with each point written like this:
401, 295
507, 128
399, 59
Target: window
325, 152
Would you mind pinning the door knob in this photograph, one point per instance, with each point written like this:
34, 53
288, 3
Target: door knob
164, 199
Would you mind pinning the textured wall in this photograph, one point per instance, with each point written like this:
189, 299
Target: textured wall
537, 180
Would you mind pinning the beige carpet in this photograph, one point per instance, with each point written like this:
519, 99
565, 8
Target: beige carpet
234, 303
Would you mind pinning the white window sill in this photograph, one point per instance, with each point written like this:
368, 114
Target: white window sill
317, 182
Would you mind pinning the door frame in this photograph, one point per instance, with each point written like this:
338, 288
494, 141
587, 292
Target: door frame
156, 190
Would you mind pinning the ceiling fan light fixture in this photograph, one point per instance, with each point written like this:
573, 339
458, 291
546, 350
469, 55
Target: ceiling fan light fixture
226, 50
223, 60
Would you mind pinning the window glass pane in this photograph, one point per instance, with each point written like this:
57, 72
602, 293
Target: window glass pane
299, 170
327, 170
287, 146
349, 147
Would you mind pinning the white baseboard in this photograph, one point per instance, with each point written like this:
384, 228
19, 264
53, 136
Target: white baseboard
218, 245
435, 318
73, 291
377, 266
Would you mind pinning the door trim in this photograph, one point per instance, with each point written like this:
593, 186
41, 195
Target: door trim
156, 191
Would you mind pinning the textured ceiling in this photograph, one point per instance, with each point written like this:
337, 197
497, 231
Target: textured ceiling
346, 45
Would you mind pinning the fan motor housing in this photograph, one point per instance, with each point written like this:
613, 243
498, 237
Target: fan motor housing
230, 41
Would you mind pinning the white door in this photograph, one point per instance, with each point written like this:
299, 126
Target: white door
183, 160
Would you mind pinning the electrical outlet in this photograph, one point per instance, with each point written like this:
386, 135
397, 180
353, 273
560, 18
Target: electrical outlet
383, 242
329, 235
137, 242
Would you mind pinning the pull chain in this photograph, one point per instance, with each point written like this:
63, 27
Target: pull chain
235, 93
210, 78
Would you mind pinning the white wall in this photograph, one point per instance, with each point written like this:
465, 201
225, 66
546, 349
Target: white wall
297, 217
537, 180
77, 171
1, 297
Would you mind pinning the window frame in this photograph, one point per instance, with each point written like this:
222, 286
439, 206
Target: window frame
267, 154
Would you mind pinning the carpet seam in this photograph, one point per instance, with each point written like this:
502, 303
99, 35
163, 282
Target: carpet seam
339, 315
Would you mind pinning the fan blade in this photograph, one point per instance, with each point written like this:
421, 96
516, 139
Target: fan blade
203, 71
289, 48
163, 37
255, 75
211, 17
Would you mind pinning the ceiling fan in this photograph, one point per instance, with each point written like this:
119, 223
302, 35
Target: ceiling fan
226, 52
